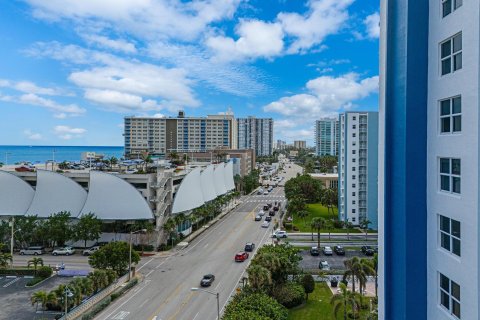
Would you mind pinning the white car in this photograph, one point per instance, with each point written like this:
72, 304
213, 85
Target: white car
265, 193
323, 265
281, 234
265, 224
90, 251
261, 213
327, 251
64, 251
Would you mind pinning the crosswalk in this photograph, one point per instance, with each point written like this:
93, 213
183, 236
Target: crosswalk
265, 199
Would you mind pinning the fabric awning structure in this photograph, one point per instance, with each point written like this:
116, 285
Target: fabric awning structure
16, 195
189, 193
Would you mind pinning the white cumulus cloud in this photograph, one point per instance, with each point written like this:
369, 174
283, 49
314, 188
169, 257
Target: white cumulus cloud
32, 135
67, 133
372, 24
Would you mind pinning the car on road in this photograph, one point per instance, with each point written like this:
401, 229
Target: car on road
275, 208
261, 213
241, 256
90, 251
323, 265
67, 251
339, 250
266, 208
281, 234
327, 251
268, 218
34, 250
271, 213
249, 246
265, 224
265, 193
367, 250
314, 251
207, 280
258, 218
260, 191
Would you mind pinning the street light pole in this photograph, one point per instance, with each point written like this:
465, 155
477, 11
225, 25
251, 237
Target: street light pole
68, 293
11, 241
130, 253
216, 294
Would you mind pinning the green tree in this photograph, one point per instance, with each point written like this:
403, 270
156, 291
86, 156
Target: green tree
328, 225
308, 284
43, 298
329, 199
304, 186
303, 214
5, 258
99, 280
296, 204
114, 256
259, 278
89, 227
358, 270
59, 228
35, 262
317, 224
342, 300
256, 306
280, 260
170, 227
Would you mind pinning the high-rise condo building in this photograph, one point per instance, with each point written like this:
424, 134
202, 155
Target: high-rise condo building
159, 136
257, 134
327, 137
358, 168
300, 144
429, 160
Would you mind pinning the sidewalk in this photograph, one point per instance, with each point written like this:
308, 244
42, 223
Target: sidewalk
291, 233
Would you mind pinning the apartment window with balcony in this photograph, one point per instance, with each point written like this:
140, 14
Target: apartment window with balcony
353, 169
354, 185
450, 170
354, 151
354, 160
448, 6
353, 201
353, 177
353, 194
451, 115
451, 54
450, 295
354, 135
450, 235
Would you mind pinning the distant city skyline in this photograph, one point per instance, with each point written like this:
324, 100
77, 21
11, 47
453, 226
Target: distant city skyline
71, 71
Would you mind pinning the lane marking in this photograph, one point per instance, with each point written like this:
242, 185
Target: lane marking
11, 282
121, 315
157, 311
143, 303
196, 316
149, 273
182, 305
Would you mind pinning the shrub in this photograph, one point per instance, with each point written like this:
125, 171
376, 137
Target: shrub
338, 224
143, 247
257, 306
17, 272
97, 309
290, 294
34, 281
44, 271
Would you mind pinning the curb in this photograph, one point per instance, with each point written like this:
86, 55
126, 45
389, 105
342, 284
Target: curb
38, 283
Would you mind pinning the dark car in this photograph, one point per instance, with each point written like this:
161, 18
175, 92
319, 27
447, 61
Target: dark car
266, 208
258, 218
269, 205
249, 246
271, 213
268, 218
241, 256
367, 250
339, 250
314, 251
207, 280
275, 208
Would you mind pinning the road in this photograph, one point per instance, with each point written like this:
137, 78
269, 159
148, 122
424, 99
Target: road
165, 292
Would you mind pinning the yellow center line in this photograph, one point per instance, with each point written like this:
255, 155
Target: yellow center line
182, 305
174, 294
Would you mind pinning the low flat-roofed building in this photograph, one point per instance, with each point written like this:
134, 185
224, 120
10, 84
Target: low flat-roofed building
329, 180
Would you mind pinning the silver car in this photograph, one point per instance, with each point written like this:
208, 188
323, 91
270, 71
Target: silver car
37, 250
64, 251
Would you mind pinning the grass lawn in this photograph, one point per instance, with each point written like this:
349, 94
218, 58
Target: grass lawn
317, 210
318, 306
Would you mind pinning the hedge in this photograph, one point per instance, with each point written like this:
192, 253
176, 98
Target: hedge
17, 272
290, 294
44, 271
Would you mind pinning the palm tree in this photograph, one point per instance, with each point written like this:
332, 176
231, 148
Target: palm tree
329, 198
303, 214
35, 262
170, 226
342, 300
349, 226
352, 266
366, 269
328, 225
258, 277
173, 156
364, 225
43, 297
375, 268
358, 269
317, 223
5, 260
99, 280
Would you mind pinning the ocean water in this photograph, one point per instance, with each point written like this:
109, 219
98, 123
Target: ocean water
41, 154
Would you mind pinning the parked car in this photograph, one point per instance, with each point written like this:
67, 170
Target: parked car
207, 280
275, 208
333, 282
24, 169
258, 218
339, 250
241, 256
90, 251
34, 250
323, 265
261, 213
265, 224
249, 246
266, 208
314, 251
368, 250
63, 251
269, 205
268, 218
281, 234
327, 251
265, 193
271, 213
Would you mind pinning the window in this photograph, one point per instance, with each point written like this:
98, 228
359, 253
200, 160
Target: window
450, 235
354, 160
353, 168
451, 115
448, 6
354, 151
354, 118
353, 194
353, 177
354, 127
354, 135
353, 185
353, 219
353, 201
450, 170
353, 210
450, 295
451, 54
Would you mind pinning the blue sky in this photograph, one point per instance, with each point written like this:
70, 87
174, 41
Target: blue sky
71, 70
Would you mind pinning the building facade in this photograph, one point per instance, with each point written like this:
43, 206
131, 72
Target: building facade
300, 144
429, 110
358, 168
281, 145
160, 136
257, 134
327, 137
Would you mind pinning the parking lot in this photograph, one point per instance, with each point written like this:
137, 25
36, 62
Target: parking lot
15, 298
335, 262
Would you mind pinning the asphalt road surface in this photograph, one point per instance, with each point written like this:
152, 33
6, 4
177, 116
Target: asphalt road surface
165, 292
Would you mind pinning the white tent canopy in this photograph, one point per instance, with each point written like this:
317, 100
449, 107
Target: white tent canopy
229, 183
208, 188
16, 195
112, 198
219, 179
189, 195
55, 193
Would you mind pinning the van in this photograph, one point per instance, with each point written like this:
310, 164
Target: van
34, 250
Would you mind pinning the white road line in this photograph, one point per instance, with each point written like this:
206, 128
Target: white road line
193, 317
205, 245
11, 282
143, 303
149, 273
145, 264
